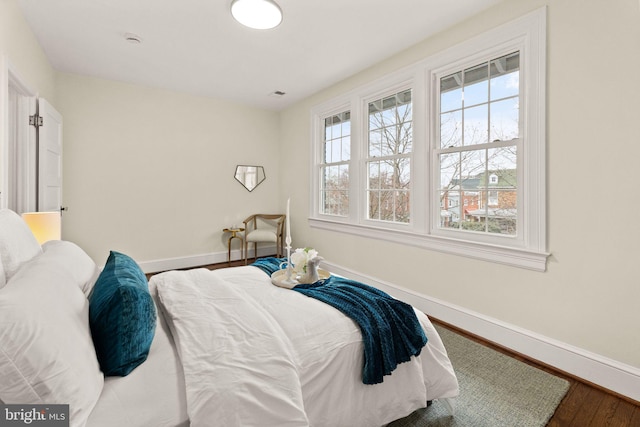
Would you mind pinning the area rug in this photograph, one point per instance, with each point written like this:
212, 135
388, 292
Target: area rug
495, 390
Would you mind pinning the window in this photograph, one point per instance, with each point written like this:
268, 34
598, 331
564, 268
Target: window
478, 143
336, 148
390, 139
447, 154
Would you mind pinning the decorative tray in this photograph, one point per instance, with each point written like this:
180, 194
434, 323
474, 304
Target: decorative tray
279, 278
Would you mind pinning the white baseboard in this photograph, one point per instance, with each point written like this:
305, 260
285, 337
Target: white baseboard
602, 371
200, 260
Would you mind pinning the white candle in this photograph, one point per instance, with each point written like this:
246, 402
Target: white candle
288, 240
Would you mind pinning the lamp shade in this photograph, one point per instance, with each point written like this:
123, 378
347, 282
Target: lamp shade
44, 225
258, 14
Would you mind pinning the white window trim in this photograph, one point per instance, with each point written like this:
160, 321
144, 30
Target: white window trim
527, 34
317, 131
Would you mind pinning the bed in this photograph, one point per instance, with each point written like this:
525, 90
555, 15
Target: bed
225, 347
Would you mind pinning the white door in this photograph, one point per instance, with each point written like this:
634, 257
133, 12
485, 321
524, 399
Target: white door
18, 144
21, 153
49, 158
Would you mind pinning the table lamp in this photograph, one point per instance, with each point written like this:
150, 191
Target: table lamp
45, 226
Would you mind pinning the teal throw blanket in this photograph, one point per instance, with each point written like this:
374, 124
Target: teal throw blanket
390, 328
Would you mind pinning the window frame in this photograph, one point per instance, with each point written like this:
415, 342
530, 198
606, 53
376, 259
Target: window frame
389, 88
317, 161
323, 165
459, 64
526, 34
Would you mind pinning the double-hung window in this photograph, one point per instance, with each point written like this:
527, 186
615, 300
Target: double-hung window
447, 154
388, 157
334, 164
477, 147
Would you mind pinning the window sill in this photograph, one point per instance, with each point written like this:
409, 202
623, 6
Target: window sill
515, 257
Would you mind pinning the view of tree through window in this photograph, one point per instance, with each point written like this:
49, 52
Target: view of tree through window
390, 141
477, 151
334, 192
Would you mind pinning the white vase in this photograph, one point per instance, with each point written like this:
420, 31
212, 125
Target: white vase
311, 276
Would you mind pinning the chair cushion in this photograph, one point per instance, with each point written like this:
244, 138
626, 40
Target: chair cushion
261, 235
17, 243
122, 316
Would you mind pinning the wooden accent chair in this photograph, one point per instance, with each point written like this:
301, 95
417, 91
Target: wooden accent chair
264, 228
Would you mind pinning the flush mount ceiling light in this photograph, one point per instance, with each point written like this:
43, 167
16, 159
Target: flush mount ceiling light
258, 14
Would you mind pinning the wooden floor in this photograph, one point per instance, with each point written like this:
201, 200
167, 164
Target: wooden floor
584, 405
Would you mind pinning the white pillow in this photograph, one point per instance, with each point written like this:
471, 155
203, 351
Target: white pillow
46, 352
85, 272
17, 243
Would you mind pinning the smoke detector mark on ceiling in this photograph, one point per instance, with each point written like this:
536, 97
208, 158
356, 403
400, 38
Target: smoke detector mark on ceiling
132, 38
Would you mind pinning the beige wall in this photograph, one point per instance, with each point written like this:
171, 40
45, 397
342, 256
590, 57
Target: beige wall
19, 46
20, 53
589, 295
150, 172
146, 171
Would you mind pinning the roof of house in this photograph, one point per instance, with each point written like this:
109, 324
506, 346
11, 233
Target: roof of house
507, 179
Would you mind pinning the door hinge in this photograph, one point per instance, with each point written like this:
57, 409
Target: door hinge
35, 120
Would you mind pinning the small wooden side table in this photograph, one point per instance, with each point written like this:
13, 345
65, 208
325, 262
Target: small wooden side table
234, 235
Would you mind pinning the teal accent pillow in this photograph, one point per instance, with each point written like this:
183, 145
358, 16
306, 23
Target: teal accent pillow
122, 316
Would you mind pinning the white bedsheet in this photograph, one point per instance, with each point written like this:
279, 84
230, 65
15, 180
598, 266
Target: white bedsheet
257, 355
152, 395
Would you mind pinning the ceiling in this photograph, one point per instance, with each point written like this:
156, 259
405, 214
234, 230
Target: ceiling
195, 46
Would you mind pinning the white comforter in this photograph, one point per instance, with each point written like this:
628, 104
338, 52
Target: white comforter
258, 355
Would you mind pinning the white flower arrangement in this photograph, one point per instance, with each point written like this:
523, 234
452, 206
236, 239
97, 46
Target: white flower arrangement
301, 257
